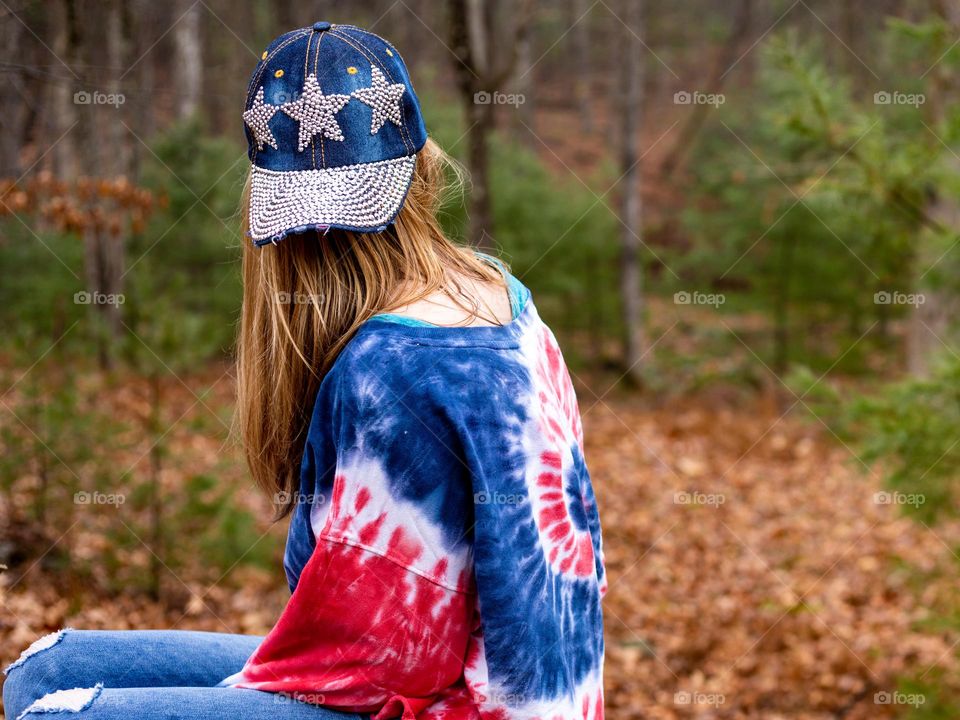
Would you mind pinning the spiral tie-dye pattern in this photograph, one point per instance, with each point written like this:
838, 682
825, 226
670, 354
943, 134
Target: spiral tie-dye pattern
448, 564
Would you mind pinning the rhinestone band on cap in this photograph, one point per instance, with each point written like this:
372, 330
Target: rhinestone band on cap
364, 197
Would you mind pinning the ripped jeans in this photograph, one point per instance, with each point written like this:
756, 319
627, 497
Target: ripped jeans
144, 675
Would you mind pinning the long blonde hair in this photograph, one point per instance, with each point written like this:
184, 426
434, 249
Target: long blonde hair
305, 297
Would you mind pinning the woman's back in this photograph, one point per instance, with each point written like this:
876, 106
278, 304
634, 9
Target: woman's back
444, 474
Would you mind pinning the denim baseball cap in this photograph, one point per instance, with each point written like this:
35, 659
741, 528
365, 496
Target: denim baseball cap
333, 127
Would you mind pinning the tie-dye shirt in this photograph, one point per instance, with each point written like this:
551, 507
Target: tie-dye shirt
444, 553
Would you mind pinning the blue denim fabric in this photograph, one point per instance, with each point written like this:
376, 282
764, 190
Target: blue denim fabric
341, 57
147, 675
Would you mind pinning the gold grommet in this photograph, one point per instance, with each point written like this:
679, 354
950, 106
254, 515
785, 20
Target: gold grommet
264, 56
352, 70
389, 52
278, 74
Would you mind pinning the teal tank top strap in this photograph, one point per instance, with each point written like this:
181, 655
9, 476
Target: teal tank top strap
516, 290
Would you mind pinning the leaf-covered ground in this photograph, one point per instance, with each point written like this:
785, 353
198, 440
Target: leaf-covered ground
752, 573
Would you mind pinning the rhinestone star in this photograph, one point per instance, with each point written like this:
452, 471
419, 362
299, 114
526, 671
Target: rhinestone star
383, 97
257, 119
315, 112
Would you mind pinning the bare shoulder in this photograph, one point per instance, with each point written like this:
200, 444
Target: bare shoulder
490, 300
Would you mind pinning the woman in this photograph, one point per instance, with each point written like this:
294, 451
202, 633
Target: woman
404, 404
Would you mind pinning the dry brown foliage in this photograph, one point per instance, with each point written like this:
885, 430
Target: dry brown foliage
796, 597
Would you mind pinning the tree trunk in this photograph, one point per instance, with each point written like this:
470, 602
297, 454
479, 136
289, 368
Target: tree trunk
631, 208
103, 153
581, 54
686, 138
143, 113
14, 117
929, 322
189, 59
63, 117
480, 118
480, 71
524, 85
119, 157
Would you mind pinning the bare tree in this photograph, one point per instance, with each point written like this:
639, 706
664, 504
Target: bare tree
930, 321
101, 151
141, 69
582, 55
484, 63
13, 120
630, 91
119, 158
189, 62
675, 157
63, 115
524, 81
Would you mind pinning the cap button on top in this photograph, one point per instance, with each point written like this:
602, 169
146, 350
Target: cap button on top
321, 26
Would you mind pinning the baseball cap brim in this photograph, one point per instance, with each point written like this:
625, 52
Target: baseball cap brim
362, 198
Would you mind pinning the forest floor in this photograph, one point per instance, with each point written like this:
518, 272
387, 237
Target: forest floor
752, 572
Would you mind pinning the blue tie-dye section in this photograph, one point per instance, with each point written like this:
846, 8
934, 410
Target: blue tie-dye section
443, 410
542, 632
593, 516
573, 486
315, 474
300, 544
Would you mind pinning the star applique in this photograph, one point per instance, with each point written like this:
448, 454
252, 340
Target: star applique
257, 119
315, 112
383, 97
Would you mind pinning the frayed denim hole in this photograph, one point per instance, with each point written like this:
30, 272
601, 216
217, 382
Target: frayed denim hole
37, 646
75, 700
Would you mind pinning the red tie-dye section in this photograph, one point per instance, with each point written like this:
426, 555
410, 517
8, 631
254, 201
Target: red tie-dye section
363, 631
569, 549
365, 513
559, 414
